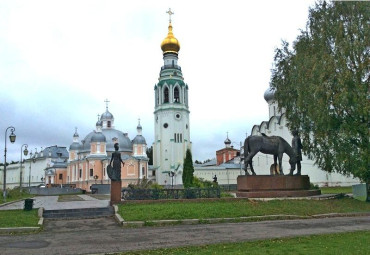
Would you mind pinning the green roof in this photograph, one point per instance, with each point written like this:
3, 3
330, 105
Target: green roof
171, 82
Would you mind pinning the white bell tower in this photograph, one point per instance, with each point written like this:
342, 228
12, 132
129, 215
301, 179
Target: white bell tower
171, 115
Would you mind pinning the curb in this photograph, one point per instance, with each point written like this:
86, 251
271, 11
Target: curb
117, 217
11, 202
19, 230
40, 213
232, 220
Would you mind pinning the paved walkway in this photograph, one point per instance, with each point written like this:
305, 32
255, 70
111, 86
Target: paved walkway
51, 203
105, 236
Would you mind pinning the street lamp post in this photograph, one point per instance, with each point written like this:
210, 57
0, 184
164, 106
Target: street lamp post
171, 174
25, 152
29, 173
12, 137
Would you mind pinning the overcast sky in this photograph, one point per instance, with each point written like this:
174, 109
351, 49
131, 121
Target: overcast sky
59, 61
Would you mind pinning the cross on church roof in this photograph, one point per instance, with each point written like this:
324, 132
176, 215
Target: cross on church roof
170, 13
98, 116
106, 102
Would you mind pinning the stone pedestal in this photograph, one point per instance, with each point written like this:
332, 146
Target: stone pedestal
265, 186
115, 192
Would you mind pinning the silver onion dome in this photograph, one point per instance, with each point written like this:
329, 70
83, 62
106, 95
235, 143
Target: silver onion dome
269, 94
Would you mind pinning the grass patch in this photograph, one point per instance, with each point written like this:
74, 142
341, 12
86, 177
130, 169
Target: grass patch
336, 190
69, 198
342, 243
15, 194
18, 218
237, 208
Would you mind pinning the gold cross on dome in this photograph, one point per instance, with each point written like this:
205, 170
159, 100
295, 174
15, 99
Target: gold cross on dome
170, 13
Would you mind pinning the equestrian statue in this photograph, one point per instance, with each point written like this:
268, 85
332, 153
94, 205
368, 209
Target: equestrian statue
273, 145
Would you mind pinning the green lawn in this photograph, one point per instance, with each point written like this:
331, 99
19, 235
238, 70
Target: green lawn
69, 198
336, 190
18, 218
15, 194
237, 208
344, 243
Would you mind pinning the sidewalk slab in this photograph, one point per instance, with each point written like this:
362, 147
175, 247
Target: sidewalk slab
51, 203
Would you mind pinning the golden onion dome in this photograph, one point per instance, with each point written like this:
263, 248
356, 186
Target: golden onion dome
170, 44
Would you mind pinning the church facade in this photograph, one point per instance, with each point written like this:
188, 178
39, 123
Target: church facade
277, 126
171, 116
89, 158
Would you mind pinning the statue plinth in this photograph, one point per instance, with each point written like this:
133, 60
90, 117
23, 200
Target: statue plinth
265, 186
115, 192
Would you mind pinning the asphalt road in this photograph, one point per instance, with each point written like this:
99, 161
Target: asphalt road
105, 236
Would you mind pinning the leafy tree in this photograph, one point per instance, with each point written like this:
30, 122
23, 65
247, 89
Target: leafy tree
149, 154
188, 171
323, 85
201, 183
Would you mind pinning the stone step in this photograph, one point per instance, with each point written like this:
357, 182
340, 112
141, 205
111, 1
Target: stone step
79, 213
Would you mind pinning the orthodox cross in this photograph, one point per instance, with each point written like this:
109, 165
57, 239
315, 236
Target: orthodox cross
106, 102
139, 121
99, 115
170, 13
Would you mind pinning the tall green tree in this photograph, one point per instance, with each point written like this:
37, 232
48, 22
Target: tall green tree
323, 84
149, 154
188, 171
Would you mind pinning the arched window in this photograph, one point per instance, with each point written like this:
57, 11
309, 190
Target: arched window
109, 124
166, 95
177, 95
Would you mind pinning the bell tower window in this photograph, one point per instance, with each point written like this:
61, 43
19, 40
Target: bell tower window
109, 124
166, 95
177, 95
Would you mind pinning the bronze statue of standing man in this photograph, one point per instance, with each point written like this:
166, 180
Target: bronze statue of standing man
114, 172
297, 147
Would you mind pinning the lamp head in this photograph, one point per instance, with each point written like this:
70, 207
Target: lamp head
25, 151
12, 137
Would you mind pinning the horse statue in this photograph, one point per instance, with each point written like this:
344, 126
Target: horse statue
273, 145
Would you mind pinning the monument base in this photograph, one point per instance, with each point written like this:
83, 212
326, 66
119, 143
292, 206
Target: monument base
115, 192
268, 186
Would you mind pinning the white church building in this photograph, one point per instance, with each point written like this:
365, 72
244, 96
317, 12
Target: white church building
276, 126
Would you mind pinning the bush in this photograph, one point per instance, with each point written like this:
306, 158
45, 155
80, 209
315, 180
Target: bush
313, 186
201, 183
